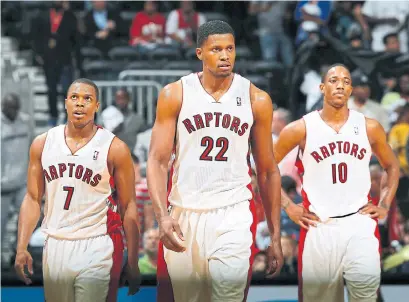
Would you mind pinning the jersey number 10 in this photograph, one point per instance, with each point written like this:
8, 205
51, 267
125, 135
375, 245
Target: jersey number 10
339, 173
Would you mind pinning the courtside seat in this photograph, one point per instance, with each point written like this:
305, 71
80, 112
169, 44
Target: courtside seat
123, 53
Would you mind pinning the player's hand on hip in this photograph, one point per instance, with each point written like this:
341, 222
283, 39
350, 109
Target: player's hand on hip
302, 216
275, 258
374, 211
132, 276
23, 259
171, 235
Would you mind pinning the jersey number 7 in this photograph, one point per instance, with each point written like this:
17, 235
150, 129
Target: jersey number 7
70, 192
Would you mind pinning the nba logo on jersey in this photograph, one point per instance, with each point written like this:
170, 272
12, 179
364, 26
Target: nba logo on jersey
95, 157
238, 100
356, 130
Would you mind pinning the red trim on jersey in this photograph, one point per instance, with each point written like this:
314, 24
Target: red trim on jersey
114, 230
164, 284
303, 232
301, 242
253, 229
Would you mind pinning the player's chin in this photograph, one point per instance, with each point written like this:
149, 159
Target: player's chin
339, 103
224, 74
79, 122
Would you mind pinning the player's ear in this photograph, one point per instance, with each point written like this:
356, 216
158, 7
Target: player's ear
97, 106
322, 88
199, 53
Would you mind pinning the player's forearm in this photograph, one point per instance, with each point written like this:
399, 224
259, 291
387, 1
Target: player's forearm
28, 218
270, 185
285, 200
131, 229
388, 193
157, 177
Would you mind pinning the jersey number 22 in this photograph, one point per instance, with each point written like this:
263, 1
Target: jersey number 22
208, 142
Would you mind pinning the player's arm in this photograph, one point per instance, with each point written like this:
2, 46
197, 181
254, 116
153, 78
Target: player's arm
124, 177
292, 136
268, 174
388, 161
161, 146
30, 208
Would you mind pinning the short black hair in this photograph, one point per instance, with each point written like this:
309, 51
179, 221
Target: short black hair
214, 27
391, 35
329, 68
88, 82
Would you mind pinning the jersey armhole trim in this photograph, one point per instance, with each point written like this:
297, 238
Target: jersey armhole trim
107, 163
177, 117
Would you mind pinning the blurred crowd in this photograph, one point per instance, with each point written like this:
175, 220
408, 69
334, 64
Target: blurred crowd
364, 32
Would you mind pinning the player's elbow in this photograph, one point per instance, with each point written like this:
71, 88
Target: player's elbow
130, 211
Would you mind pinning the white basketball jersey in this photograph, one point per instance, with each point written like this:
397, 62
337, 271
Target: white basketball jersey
78, 186
211, 167
336, 179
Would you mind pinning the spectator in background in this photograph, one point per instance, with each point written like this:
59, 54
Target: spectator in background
360, 101
148, 263
391, 42
355, 41
312, 17
282, 117
103, 26
385, 17
259, 267
55, 38
272, 35
141, 148
289, 245
346, 25
143, 200
398, 138
393, 100
148, 28
122, 120
15, 145
182, 25
287, 225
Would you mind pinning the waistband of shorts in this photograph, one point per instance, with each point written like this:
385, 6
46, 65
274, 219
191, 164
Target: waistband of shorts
56, 237
202, 210
346, 215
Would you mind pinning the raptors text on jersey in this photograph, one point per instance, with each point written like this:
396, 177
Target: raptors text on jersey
211, 169
336, 177
78, 188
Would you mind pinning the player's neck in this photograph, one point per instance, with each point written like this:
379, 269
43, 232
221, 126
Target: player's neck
213, 84
86, 131
329, 113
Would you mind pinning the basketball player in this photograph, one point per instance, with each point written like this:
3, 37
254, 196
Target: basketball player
336, 145
208, 232
75, 165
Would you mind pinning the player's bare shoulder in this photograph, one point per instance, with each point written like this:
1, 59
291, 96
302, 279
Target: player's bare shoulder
374, 130
296, 128
118, 150
292, 135
259, 97
171, 97
37, 146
